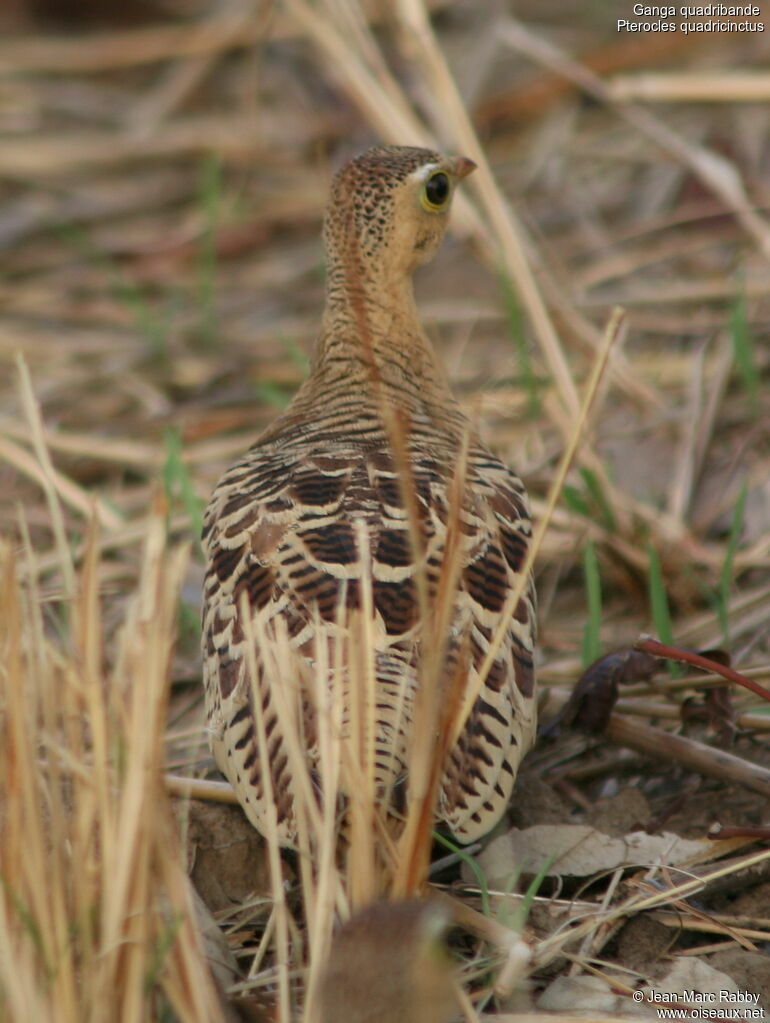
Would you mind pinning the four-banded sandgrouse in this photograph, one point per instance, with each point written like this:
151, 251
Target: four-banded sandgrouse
283, 525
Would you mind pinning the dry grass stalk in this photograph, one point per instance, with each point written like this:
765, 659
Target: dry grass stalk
280, 910
233, 135
637, 901
72, 495
334, 796
692, 87
746, 936
438, 700
128, 48
96, 912
47, 478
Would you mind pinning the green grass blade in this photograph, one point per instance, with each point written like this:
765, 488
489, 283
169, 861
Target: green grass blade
575, 501
472, 865
272, 394
519, 918
659, 609
591, 647
596, 491
661, 615
743, 350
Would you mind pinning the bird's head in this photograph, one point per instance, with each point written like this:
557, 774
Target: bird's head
388, 208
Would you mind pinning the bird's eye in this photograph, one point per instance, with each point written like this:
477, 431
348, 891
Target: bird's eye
436, 190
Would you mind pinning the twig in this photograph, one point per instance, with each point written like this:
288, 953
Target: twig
719, 831
199, 788
675, 653
714, 763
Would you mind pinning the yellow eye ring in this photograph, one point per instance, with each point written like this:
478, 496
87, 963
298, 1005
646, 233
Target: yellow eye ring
436, 191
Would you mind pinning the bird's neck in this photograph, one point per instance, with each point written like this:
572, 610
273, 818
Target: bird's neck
371, 330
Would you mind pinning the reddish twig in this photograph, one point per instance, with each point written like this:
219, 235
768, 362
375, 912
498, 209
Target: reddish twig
719, 831
675, 653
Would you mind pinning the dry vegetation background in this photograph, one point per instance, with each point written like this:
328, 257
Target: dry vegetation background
162, 182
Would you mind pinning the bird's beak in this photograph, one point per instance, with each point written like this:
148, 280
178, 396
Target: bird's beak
462, 167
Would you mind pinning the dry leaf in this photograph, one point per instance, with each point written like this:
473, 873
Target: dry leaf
578, 850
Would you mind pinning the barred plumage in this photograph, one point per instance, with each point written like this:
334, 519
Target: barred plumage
283, 527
